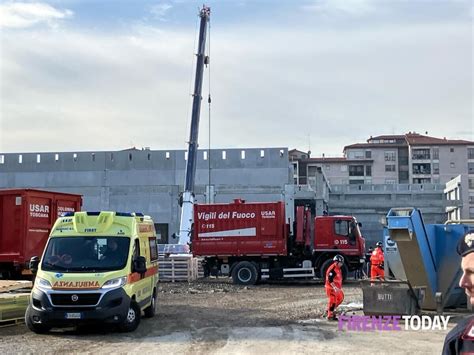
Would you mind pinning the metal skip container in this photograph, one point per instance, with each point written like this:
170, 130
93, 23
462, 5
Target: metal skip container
391, 298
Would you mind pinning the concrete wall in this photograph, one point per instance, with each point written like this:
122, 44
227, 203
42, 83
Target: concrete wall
379, 175
458, 157
371, 203
149, 181
336, 172
459, 202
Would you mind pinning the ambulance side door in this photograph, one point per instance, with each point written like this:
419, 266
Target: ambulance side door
141, 283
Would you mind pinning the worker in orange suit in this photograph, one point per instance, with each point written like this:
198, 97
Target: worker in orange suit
334, 286
377, 263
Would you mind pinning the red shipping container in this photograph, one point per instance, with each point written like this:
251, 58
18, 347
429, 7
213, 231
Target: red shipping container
26, 219
239, 229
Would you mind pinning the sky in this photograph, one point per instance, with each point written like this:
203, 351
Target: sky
83, 75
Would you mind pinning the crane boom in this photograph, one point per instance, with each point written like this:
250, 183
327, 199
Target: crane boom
188, 196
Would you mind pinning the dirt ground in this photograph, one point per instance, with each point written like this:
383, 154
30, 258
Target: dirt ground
217, 317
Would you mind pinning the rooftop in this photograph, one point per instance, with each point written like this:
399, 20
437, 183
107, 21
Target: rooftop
410, 138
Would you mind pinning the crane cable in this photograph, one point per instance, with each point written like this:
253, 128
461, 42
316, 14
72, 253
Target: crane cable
209, 107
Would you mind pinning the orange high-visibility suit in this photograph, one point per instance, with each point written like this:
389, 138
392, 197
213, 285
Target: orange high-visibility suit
334, 288
377, 264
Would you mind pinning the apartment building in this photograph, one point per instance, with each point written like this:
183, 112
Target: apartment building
411, 158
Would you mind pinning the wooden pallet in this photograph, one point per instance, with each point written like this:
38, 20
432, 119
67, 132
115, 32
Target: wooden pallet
11, 322
11, 285
176, 268
13, 305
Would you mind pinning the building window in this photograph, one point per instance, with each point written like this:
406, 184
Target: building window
470, 153
224, 155
38, 158
422, 181
368, 170
390, 181
435, 168
452, 165
420, 154
390, 167
56, 157
368, 154
356, 154
167, 155
204, 155
356, 182
471, 183
242, 154
2, 159
390, 156
470, 168
436, 153
74, 157
451, 150
422, 168
356, 170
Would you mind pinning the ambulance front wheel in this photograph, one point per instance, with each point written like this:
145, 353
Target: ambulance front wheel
150, 311
38, 328
245, 273
132, 318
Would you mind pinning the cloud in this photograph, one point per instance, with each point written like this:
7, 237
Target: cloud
84, 90
160, 10
356, 8
23, 15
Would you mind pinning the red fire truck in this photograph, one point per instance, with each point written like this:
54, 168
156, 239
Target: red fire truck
252, 241
26, 218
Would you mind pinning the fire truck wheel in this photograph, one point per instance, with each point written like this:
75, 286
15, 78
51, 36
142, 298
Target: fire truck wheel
35, 327
132, 319
244, 273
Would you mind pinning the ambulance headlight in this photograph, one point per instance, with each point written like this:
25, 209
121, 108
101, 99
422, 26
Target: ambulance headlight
114, 283
42, 283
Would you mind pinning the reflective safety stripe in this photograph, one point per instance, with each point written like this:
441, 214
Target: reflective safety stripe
135, 276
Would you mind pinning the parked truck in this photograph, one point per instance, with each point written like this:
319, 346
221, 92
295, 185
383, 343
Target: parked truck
253, 241
26, 219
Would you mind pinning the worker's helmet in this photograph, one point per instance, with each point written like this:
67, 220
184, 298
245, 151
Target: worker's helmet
378, 244
338, 258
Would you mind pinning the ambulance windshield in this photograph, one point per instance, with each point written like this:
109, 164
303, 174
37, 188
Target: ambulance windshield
86, 254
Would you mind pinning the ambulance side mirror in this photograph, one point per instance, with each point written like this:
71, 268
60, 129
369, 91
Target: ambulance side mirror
34, 262
139, 264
